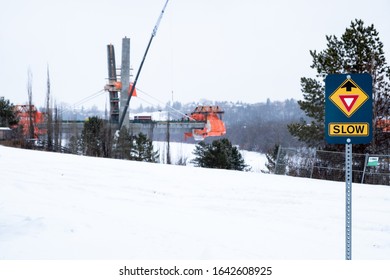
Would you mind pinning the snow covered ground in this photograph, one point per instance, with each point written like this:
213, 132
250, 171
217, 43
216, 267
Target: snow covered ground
184, 152
56, 206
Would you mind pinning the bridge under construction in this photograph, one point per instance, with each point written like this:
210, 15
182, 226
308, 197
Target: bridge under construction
202, 122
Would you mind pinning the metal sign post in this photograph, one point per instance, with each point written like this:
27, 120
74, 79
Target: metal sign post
348, 120
348, 200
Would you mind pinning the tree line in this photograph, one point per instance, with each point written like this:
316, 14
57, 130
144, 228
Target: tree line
358, 50
98, 138
254, 127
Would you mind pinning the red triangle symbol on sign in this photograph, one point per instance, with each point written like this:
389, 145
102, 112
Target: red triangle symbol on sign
348, 100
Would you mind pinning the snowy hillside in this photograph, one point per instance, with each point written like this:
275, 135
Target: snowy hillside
55, 206
184, 152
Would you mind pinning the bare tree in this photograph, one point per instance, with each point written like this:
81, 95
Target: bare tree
49, 116
57, 129
169, 161
30, 105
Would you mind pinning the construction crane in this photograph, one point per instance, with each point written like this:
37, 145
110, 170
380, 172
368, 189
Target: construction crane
203, 122
122, 117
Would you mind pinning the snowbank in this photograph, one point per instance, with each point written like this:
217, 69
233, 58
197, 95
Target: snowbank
55, 206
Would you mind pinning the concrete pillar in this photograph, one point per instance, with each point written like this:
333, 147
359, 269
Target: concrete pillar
125, 79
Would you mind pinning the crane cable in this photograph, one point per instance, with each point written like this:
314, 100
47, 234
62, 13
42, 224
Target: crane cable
153, 104
88, 98
159, 101
82, 101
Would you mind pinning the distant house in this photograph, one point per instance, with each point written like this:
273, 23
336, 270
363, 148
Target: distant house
5, 133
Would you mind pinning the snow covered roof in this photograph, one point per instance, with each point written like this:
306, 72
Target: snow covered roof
156, 116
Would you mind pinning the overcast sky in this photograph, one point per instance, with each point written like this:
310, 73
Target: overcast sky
234, 50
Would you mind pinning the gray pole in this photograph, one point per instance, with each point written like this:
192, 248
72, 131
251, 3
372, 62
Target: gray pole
364, 169
348, 200
314, 162
125, 79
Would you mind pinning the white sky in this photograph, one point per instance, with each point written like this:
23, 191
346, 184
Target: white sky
235, 50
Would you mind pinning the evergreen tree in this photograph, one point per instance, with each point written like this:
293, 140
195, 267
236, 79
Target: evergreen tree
359, 50
8, 116
271, 157
202, 158
219, 154
73, 144
142, 149
124, 144
91, 135
107, 139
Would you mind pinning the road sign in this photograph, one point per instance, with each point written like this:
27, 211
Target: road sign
348, 129
349, 97
348, 108
372, 161
348, 120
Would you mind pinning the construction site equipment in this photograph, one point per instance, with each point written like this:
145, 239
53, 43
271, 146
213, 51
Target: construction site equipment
122, 117
111, 86
29, 115
214, 126
383, 124
114, 86
203, 122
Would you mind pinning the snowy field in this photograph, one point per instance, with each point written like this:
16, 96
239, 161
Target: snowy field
184, 152
55, 206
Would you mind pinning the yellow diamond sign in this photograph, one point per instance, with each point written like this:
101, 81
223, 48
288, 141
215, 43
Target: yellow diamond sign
348, 97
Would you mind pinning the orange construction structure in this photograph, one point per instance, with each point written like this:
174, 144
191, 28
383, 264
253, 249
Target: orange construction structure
117, 86
383, 124
23, 113
214, 126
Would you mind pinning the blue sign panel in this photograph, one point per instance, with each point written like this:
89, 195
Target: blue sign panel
348, 108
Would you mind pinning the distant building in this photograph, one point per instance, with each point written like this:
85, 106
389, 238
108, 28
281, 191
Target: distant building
5, 133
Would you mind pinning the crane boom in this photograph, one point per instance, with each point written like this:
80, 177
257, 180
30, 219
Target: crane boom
140, 67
